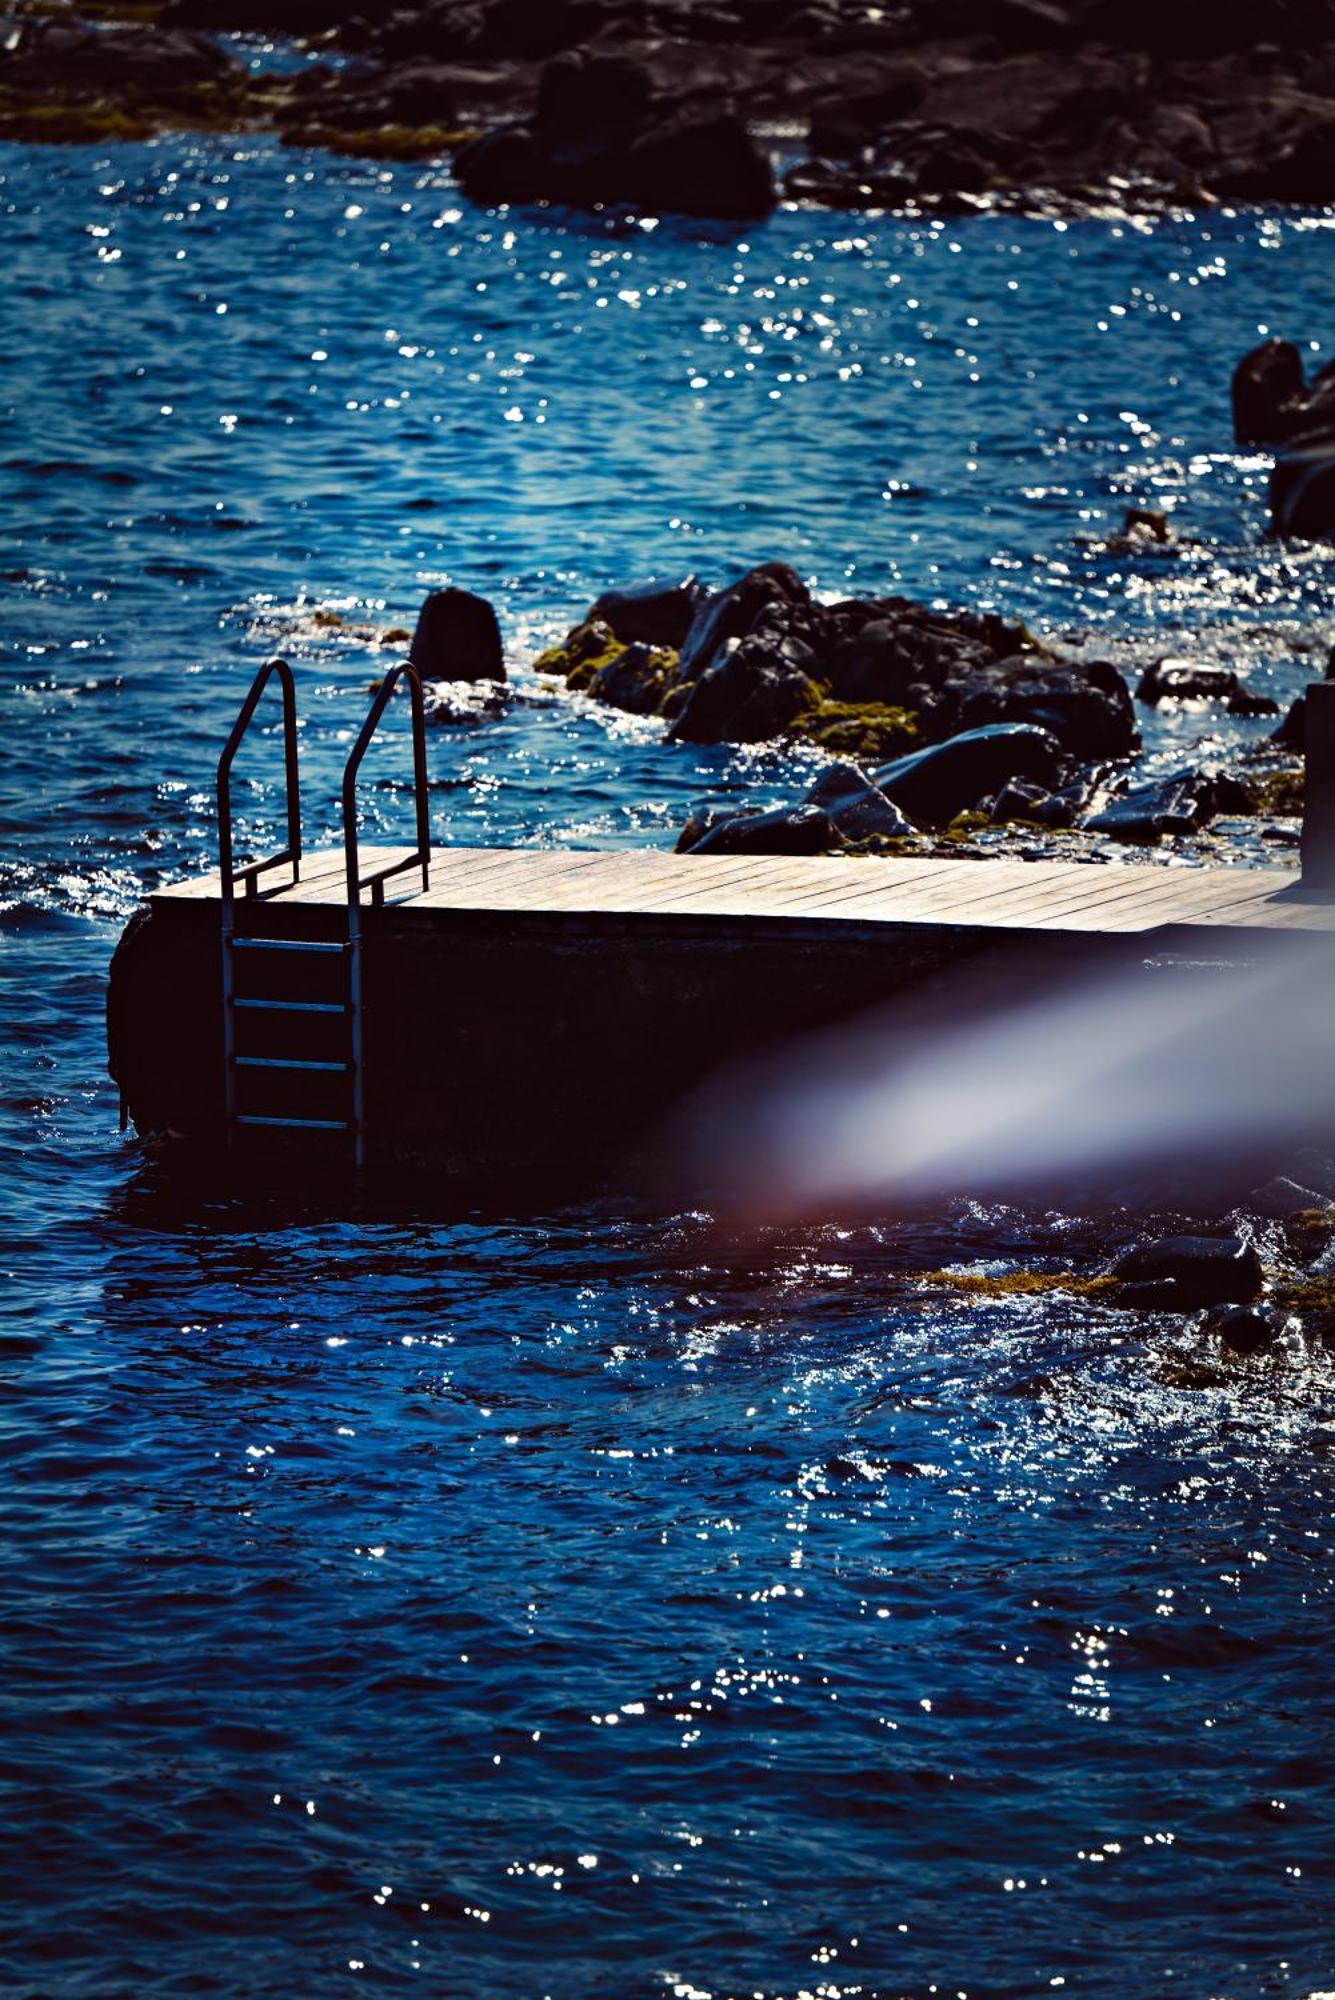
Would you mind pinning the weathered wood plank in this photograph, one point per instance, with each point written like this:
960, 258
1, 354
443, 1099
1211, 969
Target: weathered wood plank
1004, 896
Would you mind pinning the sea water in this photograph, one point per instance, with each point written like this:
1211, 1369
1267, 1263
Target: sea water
585, 1602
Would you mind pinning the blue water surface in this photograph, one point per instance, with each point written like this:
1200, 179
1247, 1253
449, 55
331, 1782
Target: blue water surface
589, 1603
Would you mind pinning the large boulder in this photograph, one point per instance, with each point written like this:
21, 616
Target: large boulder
1269, 393
67, 59
457, 639
753, 692
877, 676
734, 612
600, 133
964, 673
1185, 1272
654, 613
933, 785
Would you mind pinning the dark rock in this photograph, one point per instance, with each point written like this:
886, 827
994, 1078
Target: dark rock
1269, 392
751, 694
1173, 805
935, 784
585, 98
1146, 524
732, 613
658, 614
1301, 170
1273, 403
499, 166
699, 162
1184, 1272
68, 59
1245, 1329
1189, 681
857, 807
1022, 800
803, 829
1302, 492
636, 680
843, 124
1282, 1197
601, 135
457, 639
1086, 705
961, 673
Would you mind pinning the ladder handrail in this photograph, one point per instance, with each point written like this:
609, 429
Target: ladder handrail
421, 858
292, 852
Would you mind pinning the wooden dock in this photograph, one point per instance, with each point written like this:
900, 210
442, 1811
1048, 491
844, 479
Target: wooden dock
531, 1016
1095, 899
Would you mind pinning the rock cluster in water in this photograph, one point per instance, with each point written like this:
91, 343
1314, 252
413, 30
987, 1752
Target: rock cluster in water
660, 103
956, 714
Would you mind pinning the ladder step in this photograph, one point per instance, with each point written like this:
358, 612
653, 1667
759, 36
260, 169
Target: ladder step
303, 1124
283, 944
287, 1062
296, 1006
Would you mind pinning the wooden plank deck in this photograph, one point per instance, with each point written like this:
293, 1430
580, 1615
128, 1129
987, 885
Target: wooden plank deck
980, 896
535, 1015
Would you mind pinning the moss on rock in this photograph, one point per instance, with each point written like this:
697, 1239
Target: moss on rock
868, 732
1277, 794
379, 142
1020, 1284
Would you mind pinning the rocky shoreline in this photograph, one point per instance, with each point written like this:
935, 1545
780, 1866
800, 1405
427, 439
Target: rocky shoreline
721, 107
941, 727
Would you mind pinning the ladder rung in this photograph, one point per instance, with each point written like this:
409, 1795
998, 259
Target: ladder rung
296, 1006
285, 1062
283, 944
305, 1124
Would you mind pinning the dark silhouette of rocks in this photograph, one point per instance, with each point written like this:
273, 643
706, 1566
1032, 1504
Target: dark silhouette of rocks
934, 785
601, 133
1183, 1273
869, 679
457, 639
1030, 103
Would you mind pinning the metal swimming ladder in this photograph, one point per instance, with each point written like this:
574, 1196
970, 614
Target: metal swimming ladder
293, 1036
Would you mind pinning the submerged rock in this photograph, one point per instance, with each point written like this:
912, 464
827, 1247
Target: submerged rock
457, 639
1182, 1273
934, 785
1245, 1329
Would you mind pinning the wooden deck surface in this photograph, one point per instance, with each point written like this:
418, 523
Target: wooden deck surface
1040, 896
